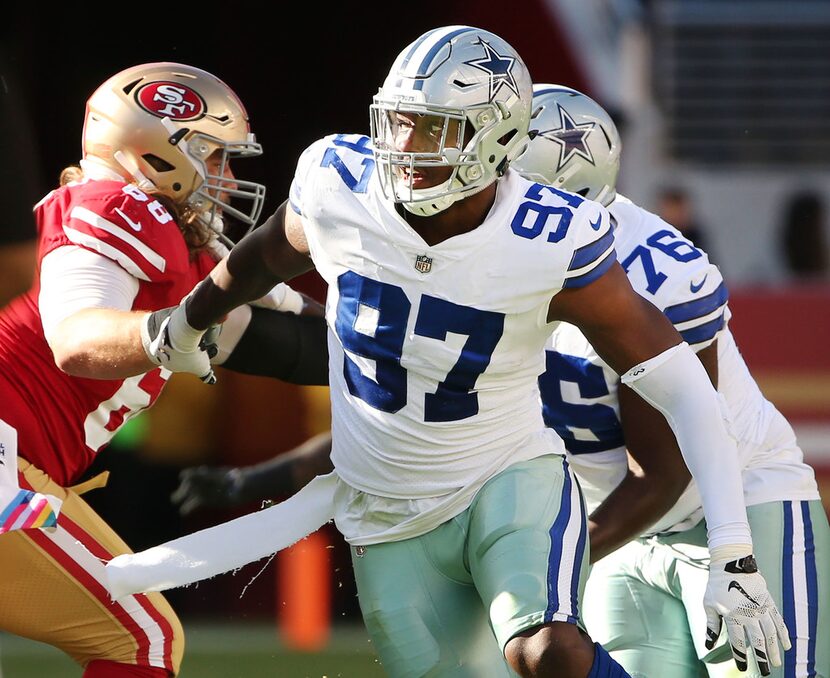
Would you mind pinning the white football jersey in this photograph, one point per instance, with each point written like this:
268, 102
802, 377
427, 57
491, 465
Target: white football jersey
435, 350
579, 391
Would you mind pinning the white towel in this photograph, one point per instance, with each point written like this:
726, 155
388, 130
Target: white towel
224, 547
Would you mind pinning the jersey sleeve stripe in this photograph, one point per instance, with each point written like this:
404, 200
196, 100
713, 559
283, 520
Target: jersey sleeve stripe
93, 243
697, 308
96, 221
583, 256
295, 197
594, 273
704, 332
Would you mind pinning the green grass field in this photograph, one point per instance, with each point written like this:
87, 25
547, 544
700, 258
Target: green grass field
242, 651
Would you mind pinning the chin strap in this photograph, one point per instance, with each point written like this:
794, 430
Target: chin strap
427, 208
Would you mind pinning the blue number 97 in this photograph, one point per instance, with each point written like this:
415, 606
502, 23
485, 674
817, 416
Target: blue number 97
371, 322
380, 338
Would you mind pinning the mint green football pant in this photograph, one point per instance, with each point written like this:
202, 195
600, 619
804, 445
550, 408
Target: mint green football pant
447, 602
644, 602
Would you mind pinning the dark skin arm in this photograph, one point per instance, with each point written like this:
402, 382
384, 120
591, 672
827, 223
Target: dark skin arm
274, 252
298, 468
656, 477
211, 487
623, 328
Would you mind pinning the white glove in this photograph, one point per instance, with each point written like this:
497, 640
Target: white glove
737, 592
170, 341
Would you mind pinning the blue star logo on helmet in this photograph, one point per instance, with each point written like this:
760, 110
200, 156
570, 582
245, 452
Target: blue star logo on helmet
572, 138
500, 69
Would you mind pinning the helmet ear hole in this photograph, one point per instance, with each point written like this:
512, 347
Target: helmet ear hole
504, 140
158, 164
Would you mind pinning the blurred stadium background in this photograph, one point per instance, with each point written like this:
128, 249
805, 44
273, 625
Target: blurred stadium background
724, 101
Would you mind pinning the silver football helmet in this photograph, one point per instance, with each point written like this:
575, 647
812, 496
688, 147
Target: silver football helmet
157, 124
477, 92
574, 144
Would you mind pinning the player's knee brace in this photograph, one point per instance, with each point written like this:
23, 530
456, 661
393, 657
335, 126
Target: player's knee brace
604, 666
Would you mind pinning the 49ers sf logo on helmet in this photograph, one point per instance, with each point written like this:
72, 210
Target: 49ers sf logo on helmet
171, 100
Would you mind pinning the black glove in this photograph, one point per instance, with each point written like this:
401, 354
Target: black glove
207, 487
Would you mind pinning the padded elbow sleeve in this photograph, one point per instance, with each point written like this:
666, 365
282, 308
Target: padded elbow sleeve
285, 346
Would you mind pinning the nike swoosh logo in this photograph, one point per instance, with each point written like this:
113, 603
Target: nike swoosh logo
735, 585
696, 288
132, 224
598, 223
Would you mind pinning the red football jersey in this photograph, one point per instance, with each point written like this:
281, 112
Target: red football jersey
62, 421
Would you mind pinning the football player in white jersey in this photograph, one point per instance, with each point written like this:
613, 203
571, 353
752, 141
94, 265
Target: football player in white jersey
445, 272
644, 600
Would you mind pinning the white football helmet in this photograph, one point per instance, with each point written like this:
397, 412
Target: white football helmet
465, 77
157, 123
574, 144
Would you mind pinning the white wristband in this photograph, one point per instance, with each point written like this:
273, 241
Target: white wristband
183, 337
730, 552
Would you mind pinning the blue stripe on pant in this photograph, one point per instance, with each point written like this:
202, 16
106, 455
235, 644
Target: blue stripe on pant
798, 538
557, 560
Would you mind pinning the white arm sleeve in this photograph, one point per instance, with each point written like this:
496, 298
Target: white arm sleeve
676, 383
73, 279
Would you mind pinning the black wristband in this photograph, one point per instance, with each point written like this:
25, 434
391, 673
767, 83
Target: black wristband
293, 348
745, 565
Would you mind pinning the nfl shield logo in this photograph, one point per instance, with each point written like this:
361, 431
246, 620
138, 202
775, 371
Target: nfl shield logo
423, 263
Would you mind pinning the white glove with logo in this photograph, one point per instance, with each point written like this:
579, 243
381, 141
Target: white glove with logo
170, 341
738, 592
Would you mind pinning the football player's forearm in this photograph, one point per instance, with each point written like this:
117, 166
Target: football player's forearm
221, 292
287, 473
634, 505
100, 344
676, 383
262, 259
655, 479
